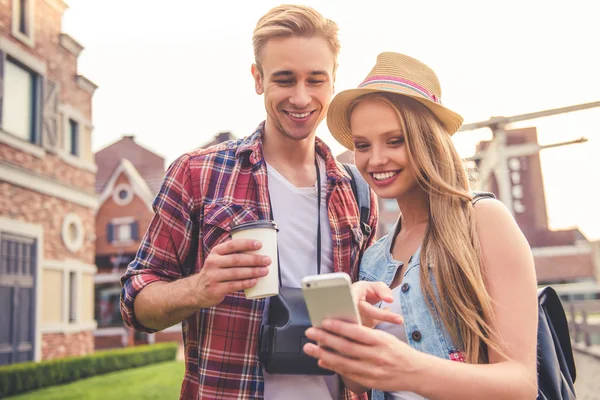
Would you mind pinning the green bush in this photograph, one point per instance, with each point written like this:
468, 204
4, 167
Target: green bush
23, 377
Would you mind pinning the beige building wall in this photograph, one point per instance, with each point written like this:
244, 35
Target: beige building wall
52, 306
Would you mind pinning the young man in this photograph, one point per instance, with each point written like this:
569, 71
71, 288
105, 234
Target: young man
272, 172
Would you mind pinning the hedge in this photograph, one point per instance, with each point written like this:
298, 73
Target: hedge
24, 377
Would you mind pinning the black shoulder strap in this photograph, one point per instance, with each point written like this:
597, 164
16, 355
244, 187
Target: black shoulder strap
481, 195
362, 194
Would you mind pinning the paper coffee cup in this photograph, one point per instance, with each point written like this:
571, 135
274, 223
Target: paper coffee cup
266, 232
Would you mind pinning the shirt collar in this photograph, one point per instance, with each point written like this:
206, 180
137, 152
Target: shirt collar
252, 147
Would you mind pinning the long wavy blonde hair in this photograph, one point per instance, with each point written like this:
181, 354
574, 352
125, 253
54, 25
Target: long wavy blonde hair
451, 243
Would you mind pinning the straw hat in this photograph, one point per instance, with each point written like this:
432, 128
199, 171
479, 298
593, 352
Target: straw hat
393, 73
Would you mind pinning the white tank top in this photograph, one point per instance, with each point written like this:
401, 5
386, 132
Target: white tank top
400, 333
295, 213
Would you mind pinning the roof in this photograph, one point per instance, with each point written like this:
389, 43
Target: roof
138, 184
218, 139
149, 165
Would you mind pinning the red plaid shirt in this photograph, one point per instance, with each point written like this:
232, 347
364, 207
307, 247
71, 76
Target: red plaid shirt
215, 188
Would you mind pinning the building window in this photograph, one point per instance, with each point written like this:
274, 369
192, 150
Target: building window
122, 194
23, 17
72, 232
17, 297
20, 110
72, 138
72, 297
514, 164
22, 22
122, 230
107, 311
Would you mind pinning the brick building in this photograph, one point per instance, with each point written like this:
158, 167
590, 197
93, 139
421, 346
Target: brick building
128, 179
563, 256
47, 198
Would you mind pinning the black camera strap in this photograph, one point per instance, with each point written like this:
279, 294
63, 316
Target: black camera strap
318, 223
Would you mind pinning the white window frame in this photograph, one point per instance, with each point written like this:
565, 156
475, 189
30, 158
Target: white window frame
84, 126
66, 267
27, 38
68, 139
121, 221
72, 245
117, 199
74, 279
35, 231
19, 108
119, 229
39, 67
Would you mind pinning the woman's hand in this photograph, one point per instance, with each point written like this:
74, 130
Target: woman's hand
372, 358
366, 294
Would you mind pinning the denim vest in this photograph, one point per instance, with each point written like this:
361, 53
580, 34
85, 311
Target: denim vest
424, 329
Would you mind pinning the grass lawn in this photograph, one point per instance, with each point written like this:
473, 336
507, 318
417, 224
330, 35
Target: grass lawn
156, 381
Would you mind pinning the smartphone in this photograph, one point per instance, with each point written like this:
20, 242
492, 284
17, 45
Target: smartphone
329, 296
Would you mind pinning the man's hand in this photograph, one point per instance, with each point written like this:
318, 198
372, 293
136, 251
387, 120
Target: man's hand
228, 269
366, 294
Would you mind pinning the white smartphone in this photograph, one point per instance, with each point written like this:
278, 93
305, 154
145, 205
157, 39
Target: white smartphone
329, 296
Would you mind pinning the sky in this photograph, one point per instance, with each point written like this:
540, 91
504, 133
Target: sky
175, 73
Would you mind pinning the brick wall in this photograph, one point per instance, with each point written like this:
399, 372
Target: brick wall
564, 268
137, 209
35, 208
61, 64
108, 342
168, 337
50, 166
116, 341
58, 345
151, 166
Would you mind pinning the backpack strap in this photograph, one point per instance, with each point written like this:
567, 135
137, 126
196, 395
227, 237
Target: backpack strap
481, 195
362, 194
550, 307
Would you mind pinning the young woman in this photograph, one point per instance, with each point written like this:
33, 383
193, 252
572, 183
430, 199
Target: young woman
460, 270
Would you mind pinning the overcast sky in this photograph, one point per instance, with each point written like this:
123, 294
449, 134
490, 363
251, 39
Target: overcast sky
177, 72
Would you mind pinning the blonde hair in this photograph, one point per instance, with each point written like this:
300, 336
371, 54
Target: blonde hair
451, 243
294, 20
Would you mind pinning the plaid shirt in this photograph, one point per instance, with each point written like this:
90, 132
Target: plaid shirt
215, 188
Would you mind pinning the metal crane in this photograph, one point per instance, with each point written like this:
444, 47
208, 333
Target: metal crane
493, 159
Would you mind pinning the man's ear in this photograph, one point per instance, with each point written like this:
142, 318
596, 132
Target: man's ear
258, 79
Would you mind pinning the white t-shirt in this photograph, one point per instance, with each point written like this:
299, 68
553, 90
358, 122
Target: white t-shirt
295, 213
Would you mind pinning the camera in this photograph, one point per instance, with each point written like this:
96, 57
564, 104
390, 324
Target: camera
283, 336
